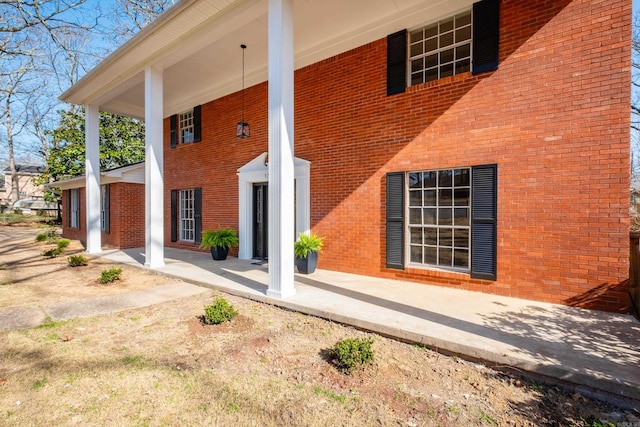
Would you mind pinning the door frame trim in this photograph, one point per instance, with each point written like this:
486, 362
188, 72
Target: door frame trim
256, 171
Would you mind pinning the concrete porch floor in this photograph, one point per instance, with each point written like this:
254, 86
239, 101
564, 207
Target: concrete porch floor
596, 351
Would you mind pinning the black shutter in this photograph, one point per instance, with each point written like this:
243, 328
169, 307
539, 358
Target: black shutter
107, 210
68, 208
174, 215
80, 207
173, 123
484, 218
397, 62
395, 220
197, 123
197, 215
486, 35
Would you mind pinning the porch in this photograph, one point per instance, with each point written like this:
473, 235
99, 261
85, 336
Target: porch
598, 351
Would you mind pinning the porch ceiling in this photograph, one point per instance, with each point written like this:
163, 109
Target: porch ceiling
197, 45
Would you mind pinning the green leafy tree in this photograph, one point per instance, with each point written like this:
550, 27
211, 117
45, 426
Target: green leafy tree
121, 144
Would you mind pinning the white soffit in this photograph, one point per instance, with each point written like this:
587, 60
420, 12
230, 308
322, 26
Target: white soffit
197, 44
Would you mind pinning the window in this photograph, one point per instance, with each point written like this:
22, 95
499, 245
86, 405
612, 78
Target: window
185, 127
74, 208
104, 208
468, 41
187, 215
447, 218
441, 49
440, 217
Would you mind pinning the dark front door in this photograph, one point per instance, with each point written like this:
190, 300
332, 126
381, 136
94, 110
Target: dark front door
260, 222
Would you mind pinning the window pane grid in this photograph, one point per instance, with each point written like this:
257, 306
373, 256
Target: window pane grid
441, 49
440, 218
185, 124
187, 217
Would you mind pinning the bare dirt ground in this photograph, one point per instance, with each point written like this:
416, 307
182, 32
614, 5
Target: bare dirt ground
159, 365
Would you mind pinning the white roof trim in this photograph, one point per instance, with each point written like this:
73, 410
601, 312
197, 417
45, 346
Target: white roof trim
131, 174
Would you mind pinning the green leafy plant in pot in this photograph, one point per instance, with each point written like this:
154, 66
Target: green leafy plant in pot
306, 250
219, 241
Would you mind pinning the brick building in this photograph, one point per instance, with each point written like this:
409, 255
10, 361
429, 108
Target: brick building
478, 145
121, 207
25, 187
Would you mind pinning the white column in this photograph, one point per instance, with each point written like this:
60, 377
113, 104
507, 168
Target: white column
153, 170
92, 174
281, 168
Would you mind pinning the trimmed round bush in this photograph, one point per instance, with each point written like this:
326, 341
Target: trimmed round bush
219, 312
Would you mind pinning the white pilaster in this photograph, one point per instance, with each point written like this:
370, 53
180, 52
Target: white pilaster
154, 181
281, 168
92, 174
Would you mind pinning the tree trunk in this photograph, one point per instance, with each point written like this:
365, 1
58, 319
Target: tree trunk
15, 190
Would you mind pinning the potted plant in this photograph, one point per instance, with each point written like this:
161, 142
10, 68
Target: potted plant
219, 241
306, 250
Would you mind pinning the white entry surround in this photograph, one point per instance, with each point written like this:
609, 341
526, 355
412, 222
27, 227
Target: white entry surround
257, 171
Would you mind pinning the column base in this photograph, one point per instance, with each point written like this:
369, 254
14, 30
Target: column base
280, 294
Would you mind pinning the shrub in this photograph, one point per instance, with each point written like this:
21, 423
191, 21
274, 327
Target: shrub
219, 312
110, 275
351, 353
77, 261
63, 243
51, 235
52, 253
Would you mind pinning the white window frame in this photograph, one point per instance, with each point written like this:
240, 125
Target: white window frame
186, 127
75, 208
186, 215
425, 207
420, 52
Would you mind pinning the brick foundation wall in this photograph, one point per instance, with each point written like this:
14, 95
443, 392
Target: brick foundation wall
554, 118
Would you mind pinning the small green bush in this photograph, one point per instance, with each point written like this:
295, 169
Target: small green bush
52, 253
110, 275
351, 353
51, 236
63, 243
77, 260
219, 312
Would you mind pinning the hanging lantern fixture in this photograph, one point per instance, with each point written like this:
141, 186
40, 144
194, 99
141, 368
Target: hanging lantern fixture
242, 128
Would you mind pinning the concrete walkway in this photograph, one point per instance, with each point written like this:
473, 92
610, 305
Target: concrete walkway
594, 350
23, 317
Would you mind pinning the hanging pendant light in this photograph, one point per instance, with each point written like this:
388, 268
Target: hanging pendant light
242, 128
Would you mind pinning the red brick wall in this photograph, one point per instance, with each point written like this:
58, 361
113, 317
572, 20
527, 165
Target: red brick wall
554, 117
127, 225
